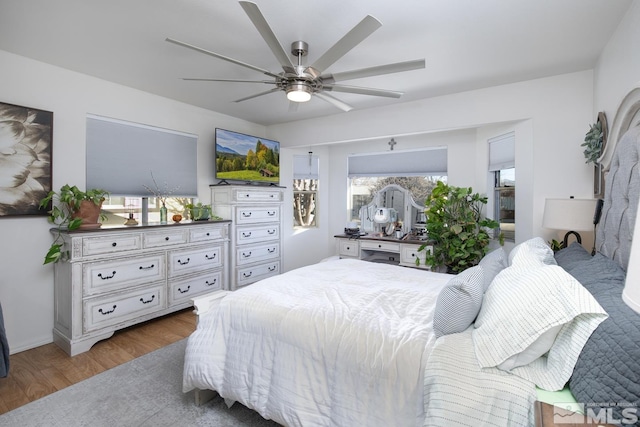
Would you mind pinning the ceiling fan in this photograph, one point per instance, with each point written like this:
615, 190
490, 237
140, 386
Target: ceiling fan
300, 81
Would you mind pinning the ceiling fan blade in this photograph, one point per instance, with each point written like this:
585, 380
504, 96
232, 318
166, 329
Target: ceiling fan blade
217, 55
230, 80
374, 71
363, 90
251, 9
275, 89
364, 29
334, 101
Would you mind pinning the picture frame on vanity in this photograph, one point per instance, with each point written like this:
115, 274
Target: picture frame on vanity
26, 137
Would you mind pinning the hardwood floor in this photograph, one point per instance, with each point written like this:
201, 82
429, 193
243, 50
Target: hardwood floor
46, 369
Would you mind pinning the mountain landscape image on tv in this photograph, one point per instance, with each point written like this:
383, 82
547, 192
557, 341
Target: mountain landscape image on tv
241, 157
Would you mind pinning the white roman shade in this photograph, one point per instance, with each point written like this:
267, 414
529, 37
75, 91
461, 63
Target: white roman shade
502, 152
121, 156
306, 167
432, 161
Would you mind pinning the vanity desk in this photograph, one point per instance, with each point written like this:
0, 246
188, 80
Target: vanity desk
388, 250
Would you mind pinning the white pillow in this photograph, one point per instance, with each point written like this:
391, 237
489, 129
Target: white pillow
532, 253
537, 348
459, 302
520, 306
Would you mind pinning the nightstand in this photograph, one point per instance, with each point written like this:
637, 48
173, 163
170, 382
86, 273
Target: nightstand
554, 416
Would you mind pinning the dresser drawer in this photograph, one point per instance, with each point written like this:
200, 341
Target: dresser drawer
182, 290
184, 261
248, 255
166, 237
248, 275
409, 254
207, 234
349, 248
106, 311
253, 215
105, 276
380, 246
110, 244
258, 195
257, 233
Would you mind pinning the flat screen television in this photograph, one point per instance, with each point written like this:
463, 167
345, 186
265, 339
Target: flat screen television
245, 158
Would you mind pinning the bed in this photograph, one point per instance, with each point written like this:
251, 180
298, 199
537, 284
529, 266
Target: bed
347, 342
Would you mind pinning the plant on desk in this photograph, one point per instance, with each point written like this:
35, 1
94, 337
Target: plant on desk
457, 229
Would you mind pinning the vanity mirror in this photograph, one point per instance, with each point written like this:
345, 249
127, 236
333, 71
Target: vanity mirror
392, 205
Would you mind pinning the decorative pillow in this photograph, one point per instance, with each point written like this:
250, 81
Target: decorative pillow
521, 305
531, 253
492, 264
459, 302
572, 255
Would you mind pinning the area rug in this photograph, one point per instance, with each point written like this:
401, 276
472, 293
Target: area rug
146, 391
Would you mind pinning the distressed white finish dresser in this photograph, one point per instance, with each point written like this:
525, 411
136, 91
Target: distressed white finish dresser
256, 226
120, 276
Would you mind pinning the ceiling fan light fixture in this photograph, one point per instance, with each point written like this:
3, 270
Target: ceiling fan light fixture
298, 92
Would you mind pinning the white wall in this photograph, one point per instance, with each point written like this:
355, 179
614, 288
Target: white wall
550, 117
26, 286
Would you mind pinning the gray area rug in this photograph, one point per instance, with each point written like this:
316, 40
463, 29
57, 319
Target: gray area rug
146, 391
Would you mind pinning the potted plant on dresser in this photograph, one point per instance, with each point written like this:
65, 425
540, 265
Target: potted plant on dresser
71, 209
457, 228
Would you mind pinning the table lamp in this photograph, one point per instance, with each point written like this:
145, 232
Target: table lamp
569, 214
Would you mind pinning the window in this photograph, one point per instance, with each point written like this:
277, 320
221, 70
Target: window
305, 190
117, 209
416, 170
502, 166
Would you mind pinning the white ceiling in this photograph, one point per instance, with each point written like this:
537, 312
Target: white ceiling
467, 44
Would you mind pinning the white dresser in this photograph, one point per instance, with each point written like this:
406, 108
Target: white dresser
256, 226
384, 250
120, 276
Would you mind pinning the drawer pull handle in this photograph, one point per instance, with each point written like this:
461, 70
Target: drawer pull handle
147, 301
245, 275
246, 234
379, 246
271, 250
184, 262
272, 195
207, 256
271, 231
273, 268
104, 313
271, 213
245, 255
166, 238
185, 291
106, 277
208, 234
211, 283
114, 244
246, 215
348, 248
147, 268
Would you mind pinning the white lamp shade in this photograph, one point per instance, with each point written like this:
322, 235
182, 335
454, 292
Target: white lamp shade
569, 214
631, 292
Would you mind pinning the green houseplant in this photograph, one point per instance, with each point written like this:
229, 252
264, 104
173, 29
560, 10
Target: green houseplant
199, 212
456, 228
71, 209
593, 143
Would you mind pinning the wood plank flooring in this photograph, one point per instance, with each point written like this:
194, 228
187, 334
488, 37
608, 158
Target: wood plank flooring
46, 369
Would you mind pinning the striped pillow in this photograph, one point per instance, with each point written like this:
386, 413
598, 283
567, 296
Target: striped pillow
459, 302
521, 305
492, 264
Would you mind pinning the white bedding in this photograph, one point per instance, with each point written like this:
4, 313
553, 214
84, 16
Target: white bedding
348, 348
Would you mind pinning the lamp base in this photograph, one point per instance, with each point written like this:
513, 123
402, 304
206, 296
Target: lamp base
566, 238
131, 221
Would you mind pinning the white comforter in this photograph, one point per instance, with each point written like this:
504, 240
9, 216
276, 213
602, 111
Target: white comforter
342, 343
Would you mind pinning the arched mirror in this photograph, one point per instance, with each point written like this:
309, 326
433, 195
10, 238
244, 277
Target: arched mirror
391, 206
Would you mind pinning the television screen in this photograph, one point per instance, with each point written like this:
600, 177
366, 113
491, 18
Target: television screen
246, 158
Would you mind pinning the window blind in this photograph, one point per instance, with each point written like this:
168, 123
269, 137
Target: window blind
502, 152
121, 156
306, 167
432, 161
